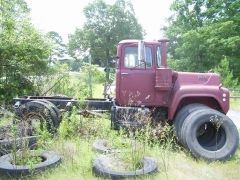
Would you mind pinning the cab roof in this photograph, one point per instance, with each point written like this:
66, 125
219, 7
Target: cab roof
128, 41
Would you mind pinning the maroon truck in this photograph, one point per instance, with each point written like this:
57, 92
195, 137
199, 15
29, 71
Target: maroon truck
195, 103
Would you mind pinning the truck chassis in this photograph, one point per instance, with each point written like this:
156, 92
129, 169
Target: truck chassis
194, 103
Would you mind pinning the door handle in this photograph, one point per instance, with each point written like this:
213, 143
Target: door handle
124, 73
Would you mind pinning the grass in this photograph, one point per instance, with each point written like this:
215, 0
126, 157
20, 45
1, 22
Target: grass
74, 143
6, 117
235, 104
78, 158
98, 91
73, 84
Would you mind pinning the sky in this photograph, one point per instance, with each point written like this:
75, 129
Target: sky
64, 16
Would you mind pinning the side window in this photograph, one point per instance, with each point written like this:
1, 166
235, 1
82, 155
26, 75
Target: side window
131, 58
158, 55
149, 57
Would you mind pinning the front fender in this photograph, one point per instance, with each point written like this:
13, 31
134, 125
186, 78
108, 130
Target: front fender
194, 93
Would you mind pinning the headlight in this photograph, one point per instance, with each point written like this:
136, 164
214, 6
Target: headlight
224, 95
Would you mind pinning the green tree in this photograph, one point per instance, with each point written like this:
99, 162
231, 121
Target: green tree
202, 32
59, 49
23, 50
186, 16
226, 74
72, 63
105, 26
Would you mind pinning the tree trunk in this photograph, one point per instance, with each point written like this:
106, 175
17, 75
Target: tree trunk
108, 59
107, 64
107, 67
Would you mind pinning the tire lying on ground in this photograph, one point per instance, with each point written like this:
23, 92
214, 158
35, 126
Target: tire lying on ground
101, 146
4, 131
50, 159
7, 145
34, 111
181, 116
21, 138
210, 134
101, 168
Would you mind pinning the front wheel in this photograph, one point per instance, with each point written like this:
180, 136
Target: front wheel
182, 115
210, 134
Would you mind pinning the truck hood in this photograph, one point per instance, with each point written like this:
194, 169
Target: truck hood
210, 79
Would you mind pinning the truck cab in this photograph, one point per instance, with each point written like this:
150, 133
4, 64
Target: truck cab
143, 79
139, 80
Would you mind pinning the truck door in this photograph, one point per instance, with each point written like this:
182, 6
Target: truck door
137, 77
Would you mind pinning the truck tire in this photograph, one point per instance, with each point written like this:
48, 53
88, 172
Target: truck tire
100, 168
55, 109
39, 111
181, 116
9, 170
23, 130
4, 131
101, 146
6, 145
206, 141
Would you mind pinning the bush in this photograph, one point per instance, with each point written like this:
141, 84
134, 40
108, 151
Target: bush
14, 86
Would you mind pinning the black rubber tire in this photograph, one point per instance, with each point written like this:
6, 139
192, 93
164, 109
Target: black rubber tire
55, 114
56, 110
22, 130
42, 111
101, 146
207, 139
6, 145
100, 169
4, 130
7, 169
204, 141
181, 116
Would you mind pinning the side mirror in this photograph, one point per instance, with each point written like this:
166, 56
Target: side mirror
141, 50
116, 62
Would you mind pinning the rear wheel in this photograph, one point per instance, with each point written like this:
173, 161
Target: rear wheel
210, 134
36, 111
55, 109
